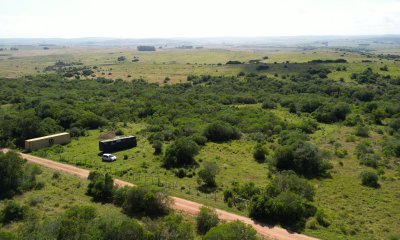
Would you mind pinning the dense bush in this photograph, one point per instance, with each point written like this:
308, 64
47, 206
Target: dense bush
101, 187
369, 179
259, 153
181, 153
302, 157
235, 230
171, 227
269, 104
206, 176
239, 192
120, 195
332, 113
16, 176
75, 223
220, 132
157, 146
206, 219
13, 212
287, 200
367, 76
83, 223
361, 131
148, 201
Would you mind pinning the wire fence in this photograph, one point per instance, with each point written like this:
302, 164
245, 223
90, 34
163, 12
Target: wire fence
189, 189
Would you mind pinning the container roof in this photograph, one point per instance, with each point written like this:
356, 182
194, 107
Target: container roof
49, 136
117, 138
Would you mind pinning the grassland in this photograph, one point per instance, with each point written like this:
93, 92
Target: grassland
355, 211
177, 64
57, 195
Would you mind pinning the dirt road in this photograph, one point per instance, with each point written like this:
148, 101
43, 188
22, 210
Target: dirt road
179, 204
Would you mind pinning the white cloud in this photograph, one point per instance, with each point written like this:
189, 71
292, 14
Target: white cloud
190, 18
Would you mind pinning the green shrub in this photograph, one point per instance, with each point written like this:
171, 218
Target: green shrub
101, 187
16, 176
119, 132
181, 153
76, 223
120, 195
235, 230
259, 153
341, 153
13, 212
148, 201
361, 131
287, 200
171, 227
157, 146
206, 219
369, 179
303, 158
199, 139
206, 176
221, 132
268, 104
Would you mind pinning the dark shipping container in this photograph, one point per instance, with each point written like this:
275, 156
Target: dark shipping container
117, 144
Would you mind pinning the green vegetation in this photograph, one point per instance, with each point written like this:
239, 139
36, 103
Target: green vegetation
288, 200
206, 219
369, 179
287, 143
16, 176
235, 230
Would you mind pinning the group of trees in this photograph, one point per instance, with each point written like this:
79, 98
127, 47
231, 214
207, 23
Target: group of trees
288, 200
16, 175
170, 110
135, 201
303, 157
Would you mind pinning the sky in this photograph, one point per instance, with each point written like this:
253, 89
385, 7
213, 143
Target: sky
196, 18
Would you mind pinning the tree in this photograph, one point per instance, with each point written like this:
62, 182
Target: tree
221, 132
288, 200
331, 113
101, 187
171, 227
76, 223
181, 153
259, 153
206, 176
289, 181
148, 201
235, 230
157, 145
129, 229
11, 172
369, 179
206, 219
303, 158
16, 177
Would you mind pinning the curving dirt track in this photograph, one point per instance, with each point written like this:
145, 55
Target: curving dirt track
267, 231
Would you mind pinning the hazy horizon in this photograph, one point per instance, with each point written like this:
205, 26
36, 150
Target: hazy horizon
124, 19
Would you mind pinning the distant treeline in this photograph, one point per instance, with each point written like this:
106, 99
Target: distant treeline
340, 60
146, 48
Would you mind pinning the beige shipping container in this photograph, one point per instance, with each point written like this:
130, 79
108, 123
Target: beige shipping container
47, 141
